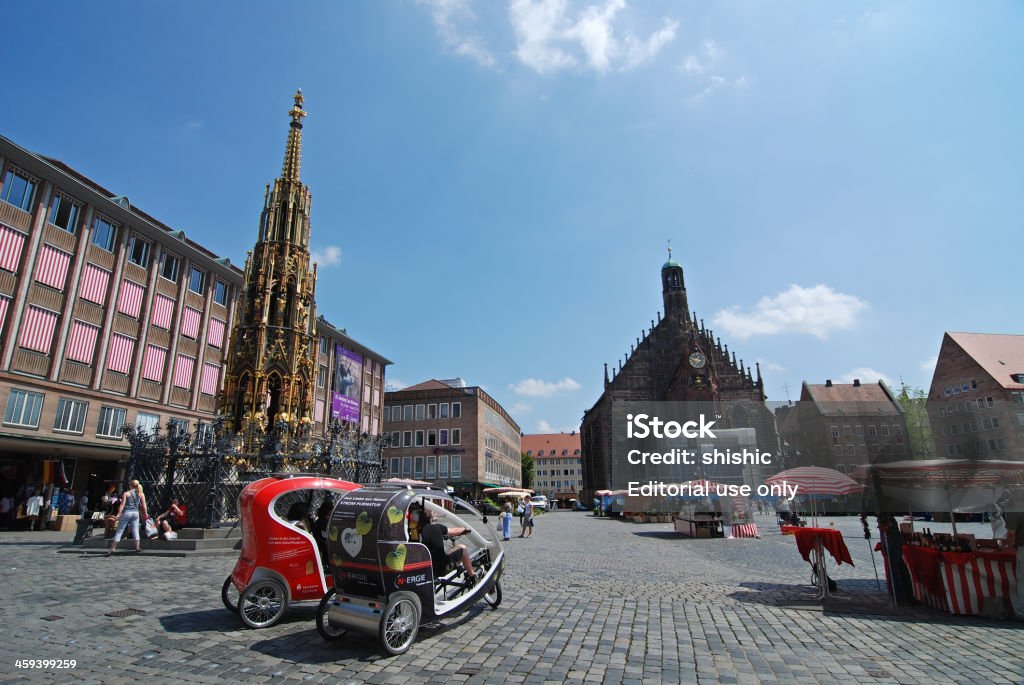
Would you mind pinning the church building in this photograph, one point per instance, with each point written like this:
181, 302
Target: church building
677, 360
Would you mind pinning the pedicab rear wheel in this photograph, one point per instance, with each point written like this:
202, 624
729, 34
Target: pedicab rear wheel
229, 595
323, 626
400, 623
493, 596
263, 603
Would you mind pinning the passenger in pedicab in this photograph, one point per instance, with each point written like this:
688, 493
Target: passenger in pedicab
433, 534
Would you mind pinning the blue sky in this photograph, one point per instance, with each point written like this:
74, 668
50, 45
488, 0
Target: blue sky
494, 182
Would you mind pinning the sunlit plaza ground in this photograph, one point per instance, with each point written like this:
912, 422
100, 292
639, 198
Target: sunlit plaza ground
586, 600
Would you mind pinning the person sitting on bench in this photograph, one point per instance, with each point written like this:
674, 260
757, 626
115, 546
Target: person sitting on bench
432, 535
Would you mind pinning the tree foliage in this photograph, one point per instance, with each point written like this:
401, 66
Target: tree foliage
527, 463
919, 427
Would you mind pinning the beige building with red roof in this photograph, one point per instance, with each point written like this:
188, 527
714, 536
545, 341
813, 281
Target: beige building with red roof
976, 399
557, 465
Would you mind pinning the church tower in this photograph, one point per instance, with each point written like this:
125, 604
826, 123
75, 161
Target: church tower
270, 368
673, 289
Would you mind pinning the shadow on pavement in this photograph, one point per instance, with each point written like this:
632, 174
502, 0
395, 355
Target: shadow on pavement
661, 535
209, 620
854, 598
355, 646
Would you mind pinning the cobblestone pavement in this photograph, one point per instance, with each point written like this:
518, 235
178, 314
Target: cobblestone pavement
586, 600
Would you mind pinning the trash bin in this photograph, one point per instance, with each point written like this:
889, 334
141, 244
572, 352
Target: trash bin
83, 531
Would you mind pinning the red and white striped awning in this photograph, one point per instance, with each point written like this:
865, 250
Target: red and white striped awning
130, 300
190, 322
37, 329
121, 349
82, 342
11, 242
215, 333
4, 302
211, 374
163, 310
52, 267
498, 491
153, 363
815, 480
94, 284
183, 368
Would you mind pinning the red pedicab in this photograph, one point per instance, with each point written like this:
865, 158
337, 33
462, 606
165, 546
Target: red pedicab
280, 561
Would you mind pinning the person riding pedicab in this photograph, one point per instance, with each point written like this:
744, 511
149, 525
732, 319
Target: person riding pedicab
433, 534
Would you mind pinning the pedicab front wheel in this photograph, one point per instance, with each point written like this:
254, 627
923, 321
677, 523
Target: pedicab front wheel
493, 596
229, 595
323, 626
400, 623
263, 603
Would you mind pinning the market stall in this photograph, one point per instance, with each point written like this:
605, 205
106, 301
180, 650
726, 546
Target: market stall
698, 517
960, 574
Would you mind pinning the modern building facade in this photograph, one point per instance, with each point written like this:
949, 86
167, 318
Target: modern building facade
107, 317
976, 399
557, 465
349, 382
459, 435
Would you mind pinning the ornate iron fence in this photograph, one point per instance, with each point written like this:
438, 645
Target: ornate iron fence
207, 469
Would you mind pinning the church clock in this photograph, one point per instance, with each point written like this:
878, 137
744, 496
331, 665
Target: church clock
698, 360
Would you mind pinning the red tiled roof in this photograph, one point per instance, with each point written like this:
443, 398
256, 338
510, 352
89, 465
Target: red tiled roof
1002, 356
551, 441
847, 398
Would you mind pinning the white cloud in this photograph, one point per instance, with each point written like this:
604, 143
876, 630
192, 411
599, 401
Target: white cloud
770, 366
395, 384
450, 16
929, 364
866, 375
546, 36
818, 310
520, 408
533, 387
545, 427
329, 256
638, 51
706, 70
692, 65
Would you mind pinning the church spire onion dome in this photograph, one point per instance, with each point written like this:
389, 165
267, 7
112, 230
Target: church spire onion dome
673, 288
268, 379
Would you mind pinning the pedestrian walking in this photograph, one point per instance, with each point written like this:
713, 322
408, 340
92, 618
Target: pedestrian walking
506, 521
131, 511
32, 508
527, 518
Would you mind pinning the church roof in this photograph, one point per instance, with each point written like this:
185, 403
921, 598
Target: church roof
671, 263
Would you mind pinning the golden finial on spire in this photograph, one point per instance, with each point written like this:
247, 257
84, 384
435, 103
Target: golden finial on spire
670, 248
297, 113
293, 152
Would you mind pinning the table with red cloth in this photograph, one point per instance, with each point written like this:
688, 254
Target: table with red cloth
960, 582
830, 538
